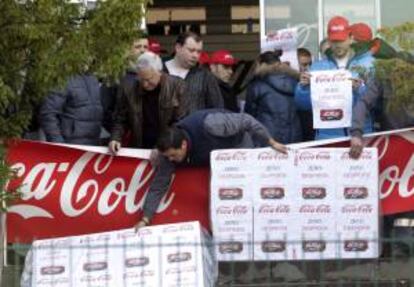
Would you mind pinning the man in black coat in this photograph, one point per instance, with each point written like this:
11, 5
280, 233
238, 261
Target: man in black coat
201, 84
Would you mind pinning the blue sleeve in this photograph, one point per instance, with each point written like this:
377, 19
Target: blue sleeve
303, 97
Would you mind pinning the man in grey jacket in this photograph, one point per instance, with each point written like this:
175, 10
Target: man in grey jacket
191, 141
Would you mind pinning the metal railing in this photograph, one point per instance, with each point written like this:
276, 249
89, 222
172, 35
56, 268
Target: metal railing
395, 267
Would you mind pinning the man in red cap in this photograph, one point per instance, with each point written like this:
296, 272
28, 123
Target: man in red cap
341, 55
154, 46
221, 65
204, 59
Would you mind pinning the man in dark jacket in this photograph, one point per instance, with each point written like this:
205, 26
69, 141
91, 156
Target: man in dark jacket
202, 86
75, 114
221, 65
148, 104
191, 141
270, 99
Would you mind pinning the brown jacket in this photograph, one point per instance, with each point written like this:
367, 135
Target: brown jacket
128, 115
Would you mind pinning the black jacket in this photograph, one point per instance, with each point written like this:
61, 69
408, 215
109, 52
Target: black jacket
270, 99
75, 114
203, 89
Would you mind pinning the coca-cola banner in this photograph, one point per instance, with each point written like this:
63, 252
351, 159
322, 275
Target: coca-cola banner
69, 191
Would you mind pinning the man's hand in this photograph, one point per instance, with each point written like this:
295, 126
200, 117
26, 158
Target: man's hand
304, 79
114, 147
278, 146
357, 145
142, 223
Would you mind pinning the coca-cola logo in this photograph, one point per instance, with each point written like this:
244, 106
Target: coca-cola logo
331, 115
280, 36
396, 176
274, 209
230, 247
306, 156
355, 192
233, 210
179, 257
357, 208
272, 156
355, 245
272, 192
320, 208
313, 192
311, 156
80, 193
52, 270
274, 246
230, 193
326, 78
136, 262
365, 155
95, 266
52, 244
95, 239
78, 196
231, 156
314, 246
178, 228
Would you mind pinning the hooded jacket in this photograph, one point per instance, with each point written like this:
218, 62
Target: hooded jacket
270, 99
361, 66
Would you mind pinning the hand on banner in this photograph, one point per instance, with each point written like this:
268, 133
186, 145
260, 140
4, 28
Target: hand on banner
357, 145
278, 146
304, 79
114, 147
356, 83
142, 223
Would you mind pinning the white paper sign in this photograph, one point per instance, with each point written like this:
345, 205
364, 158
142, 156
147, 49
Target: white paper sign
285, 40
331, 95
310, 204
165, 255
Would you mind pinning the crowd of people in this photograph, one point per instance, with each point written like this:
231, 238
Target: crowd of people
186, 105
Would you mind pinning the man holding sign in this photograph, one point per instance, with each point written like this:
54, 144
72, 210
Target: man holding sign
335, 84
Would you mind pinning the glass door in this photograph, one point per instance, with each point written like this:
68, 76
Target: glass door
280, 14
367, 11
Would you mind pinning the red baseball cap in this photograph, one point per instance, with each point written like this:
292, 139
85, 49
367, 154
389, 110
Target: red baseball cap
361, 32
338, 29
223, 57
204, 58
154, 46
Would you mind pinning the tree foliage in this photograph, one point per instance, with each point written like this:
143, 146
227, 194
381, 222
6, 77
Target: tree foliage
398, 72
44, 41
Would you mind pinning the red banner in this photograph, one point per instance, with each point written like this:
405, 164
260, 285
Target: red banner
67, 191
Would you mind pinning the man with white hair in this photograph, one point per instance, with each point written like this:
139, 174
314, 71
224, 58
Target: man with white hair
148, 104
